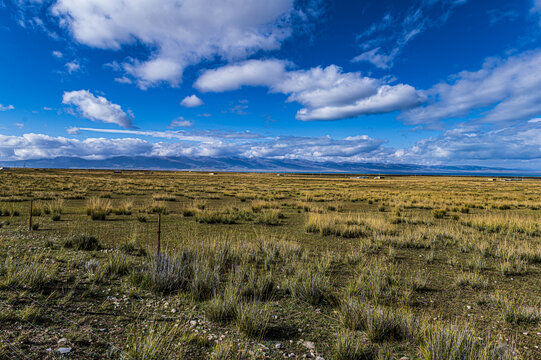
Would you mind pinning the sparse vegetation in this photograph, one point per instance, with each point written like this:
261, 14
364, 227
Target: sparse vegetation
256, 266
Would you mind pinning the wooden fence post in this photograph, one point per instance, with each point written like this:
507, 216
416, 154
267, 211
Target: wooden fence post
30, 218
159, 233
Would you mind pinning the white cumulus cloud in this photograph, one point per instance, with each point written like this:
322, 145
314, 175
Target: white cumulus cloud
180, 122
178, 33
511, 146
216, 144
97, 108
502, 91
247, 73
327, 93
72, 66
191, 101
6, 107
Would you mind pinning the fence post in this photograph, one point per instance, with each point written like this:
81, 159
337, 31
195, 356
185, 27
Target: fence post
30, 218
159, 233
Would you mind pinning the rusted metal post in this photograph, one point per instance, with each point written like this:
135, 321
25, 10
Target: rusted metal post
159, 232
30, 218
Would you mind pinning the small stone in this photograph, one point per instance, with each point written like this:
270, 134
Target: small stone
320, 358
64, 350
309, 345
404, 358
278, 346
62, 341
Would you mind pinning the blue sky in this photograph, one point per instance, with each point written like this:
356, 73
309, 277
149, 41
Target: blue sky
444, 82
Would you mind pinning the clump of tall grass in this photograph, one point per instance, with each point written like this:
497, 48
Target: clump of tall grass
269, 217
130, 247
29, 272
328, 224
55, 207
216, 217
505, 223
258, 205
379, 323
154, 342
513, 266
518, 311
223, 350
471, 279
9, 212
223, 305
350, 346
253, 284
418, 281
189, 211
39, 207
439, 214
383, 323
82, 242
124, 208
156, 207
370, 245
163, 197
193, 208
376, 282
282, 251
98, 208
310, 284
205, 278
253, 318
32, 314
166, 273
118, 264
454, 341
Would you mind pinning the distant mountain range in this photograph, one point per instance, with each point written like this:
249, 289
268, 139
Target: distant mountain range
258, 165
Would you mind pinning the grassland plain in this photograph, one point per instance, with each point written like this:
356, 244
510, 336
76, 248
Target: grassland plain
265, 266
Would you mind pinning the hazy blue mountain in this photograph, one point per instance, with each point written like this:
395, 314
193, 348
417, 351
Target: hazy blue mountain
259, 164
